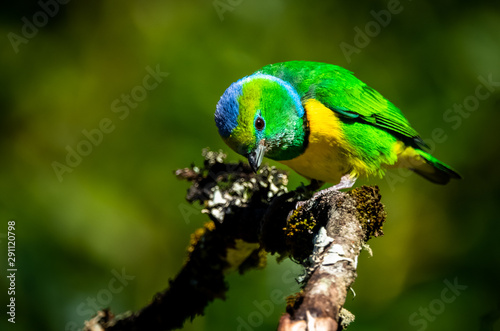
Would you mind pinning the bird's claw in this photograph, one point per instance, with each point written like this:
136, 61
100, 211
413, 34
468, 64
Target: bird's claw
347, 181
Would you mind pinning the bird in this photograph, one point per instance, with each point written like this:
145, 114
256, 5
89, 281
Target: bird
323, 123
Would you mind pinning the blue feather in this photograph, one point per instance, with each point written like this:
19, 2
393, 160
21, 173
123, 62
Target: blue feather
227, 111
226, 114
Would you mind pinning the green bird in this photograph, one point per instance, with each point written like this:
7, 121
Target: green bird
324, 123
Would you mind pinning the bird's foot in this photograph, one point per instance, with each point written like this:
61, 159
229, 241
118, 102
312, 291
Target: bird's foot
347, 181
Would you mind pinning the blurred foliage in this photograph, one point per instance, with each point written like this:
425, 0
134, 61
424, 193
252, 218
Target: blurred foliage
121, 209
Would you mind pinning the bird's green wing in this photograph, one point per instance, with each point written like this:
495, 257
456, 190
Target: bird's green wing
338, 89
354, 100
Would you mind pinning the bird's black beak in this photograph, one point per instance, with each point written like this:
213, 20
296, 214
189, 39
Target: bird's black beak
255, 157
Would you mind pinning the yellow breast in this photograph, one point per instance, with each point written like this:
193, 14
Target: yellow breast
325, 158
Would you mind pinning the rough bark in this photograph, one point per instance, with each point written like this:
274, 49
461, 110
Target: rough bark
252, 215
331, 268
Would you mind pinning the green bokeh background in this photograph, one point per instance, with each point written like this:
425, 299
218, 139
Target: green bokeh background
121, 209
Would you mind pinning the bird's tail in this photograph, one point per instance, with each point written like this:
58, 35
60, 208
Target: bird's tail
432, 169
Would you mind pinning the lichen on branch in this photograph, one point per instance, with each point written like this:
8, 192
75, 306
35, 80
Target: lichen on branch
252, 215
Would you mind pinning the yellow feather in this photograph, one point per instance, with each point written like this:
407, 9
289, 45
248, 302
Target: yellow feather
329, 156
407, 157
326, 157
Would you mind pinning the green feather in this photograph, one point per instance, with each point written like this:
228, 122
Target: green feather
368, 132
435, 170
338, 89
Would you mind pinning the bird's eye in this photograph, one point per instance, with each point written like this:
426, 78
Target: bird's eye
260, 123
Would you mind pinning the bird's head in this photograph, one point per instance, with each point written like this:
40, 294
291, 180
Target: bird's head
261, 115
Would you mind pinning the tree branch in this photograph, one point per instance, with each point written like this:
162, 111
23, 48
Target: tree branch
252, 214
331, 268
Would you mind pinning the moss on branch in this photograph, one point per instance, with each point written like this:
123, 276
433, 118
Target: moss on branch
252, 215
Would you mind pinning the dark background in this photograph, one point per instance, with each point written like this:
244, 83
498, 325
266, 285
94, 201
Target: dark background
121, 209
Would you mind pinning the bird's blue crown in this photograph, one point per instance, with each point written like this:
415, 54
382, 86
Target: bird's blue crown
226, 114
